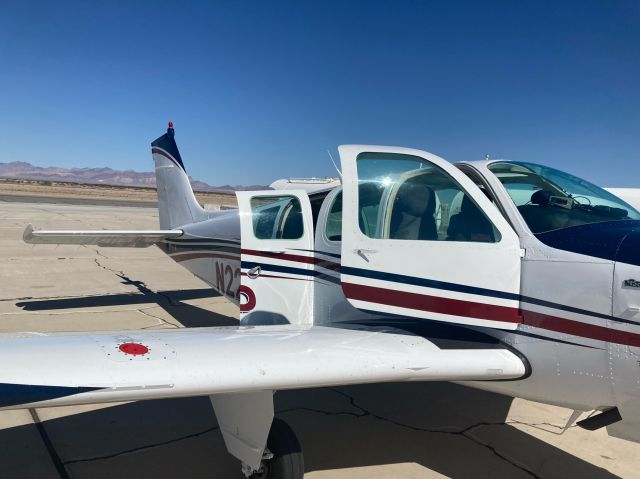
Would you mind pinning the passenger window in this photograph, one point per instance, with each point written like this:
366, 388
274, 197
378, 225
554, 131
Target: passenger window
276, 217
333, 228
405, 197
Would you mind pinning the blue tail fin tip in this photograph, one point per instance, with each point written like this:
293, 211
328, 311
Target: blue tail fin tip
167, 143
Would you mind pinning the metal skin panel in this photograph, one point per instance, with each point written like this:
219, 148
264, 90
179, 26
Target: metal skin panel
281, 290
210, 249
470, 271
330, 304
625, 360
205, 361
570, 370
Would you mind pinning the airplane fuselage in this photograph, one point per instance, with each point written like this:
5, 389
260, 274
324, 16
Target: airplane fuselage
577, 321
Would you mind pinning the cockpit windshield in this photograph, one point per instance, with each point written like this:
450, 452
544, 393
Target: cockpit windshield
549, 199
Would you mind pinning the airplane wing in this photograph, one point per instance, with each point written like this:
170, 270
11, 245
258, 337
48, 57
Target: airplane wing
78, 368
114, 238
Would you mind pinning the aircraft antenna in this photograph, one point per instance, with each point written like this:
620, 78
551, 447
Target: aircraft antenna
334, 165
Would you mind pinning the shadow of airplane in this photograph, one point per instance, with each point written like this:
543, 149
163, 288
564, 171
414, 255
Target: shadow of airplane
171, 301
454, 430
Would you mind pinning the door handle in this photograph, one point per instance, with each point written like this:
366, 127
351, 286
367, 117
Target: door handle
364, 252
254, 272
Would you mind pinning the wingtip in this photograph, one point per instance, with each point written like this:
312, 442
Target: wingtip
27, 236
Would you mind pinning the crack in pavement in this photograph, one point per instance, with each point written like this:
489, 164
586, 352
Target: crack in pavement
538, 425
139, 285
161, 320
464, 432
141, 448
142, 287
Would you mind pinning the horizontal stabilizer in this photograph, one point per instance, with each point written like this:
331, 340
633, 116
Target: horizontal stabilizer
78, 368
115, 238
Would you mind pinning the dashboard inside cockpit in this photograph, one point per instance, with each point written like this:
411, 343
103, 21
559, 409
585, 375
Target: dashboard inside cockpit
549, 199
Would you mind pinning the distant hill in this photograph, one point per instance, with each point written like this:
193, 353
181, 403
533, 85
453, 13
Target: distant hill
101, 176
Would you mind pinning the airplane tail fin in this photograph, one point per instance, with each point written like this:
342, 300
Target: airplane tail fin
177, 204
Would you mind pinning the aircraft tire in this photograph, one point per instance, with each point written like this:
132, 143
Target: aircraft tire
287, 461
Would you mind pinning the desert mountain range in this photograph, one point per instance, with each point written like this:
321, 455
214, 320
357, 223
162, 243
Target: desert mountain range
106, 176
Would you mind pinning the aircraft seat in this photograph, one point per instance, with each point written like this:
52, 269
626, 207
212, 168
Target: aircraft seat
470, 224
412, 217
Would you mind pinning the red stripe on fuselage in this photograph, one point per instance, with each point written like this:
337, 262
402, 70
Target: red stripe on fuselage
578, 328
432, 304
295, 257
471, 309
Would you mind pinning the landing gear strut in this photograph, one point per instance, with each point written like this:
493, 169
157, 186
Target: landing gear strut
282, 458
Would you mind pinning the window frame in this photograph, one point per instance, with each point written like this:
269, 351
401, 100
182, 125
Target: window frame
385, 214
280, 218
325, 238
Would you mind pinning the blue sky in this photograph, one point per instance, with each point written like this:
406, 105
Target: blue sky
260, 90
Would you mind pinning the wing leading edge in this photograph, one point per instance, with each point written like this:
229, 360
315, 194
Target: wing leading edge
106, 238
81, 368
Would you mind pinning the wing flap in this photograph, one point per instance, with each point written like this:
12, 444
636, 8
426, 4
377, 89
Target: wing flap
105, 238
80, 368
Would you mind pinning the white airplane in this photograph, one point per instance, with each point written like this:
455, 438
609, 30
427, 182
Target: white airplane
506, 276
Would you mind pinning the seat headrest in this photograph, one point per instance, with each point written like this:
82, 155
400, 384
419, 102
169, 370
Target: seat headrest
467, 205
416, 200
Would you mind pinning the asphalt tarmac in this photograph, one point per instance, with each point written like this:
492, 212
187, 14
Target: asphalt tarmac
428, 430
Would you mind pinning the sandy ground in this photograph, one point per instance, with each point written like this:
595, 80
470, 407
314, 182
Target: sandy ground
429, 430
10, 189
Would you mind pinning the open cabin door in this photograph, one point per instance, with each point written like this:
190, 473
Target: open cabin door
276, 284
420, 240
